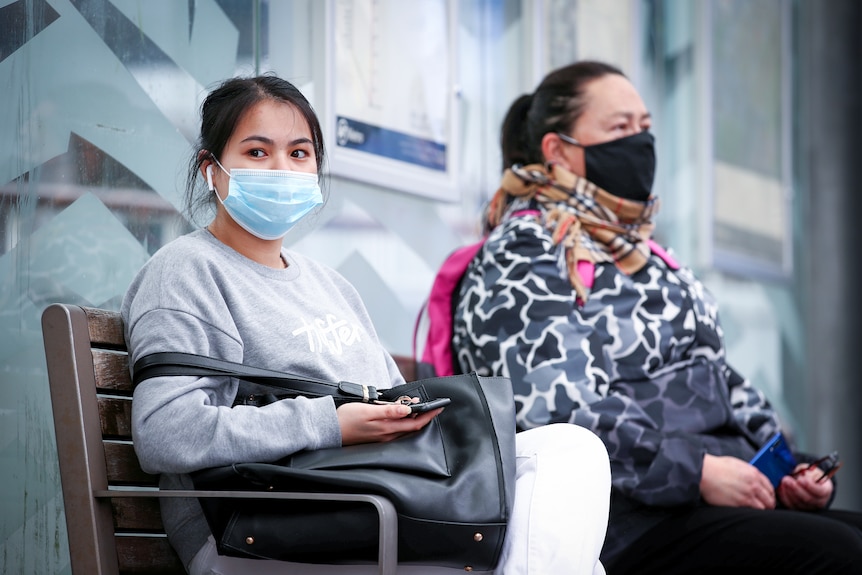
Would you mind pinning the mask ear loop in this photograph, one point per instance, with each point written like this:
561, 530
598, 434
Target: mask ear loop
570, 140
210, 184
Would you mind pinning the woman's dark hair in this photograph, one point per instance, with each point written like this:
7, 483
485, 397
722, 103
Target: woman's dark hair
220, 114
555, 106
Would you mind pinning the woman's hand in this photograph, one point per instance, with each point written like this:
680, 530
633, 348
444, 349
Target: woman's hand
731, 482
367, 423
803, 491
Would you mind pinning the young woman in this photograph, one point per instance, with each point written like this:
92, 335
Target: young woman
232, 291
598, 326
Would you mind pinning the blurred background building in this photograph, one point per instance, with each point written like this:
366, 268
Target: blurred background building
756, 107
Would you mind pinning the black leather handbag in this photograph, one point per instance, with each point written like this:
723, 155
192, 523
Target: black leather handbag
452, 483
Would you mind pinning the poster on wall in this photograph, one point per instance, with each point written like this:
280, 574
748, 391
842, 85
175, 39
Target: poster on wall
391, 94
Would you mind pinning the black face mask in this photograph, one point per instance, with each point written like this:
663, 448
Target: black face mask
624, 167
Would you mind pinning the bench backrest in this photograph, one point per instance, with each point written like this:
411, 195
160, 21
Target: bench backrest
91, 393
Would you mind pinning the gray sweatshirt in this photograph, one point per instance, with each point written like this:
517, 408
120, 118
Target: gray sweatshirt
199, 296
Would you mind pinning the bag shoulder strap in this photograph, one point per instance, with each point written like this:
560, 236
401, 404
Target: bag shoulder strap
438, 342
662, 253
587, 269
177, 363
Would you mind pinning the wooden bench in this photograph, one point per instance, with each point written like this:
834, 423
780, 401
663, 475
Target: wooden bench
112, 509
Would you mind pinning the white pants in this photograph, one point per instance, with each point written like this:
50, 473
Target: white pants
558, 524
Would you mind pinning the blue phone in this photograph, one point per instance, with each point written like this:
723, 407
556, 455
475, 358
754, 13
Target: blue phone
774, 459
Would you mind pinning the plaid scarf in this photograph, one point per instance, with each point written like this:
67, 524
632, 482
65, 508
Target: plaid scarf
590, 223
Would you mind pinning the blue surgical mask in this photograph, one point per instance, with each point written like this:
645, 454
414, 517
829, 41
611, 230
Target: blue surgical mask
268, 203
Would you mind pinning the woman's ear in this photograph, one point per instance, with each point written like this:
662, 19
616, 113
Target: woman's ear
569, 156
553, 148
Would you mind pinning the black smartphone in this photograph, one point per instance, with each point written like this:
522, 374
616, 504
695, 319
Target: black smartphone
429, 405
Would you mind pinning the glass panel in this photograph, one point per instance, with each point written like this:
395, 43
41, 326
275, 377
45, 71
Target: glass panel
751, 211
703, 99
669, 86
100, 104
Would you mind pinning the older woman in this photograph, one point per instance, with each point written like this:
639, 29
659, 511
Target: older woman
598, 326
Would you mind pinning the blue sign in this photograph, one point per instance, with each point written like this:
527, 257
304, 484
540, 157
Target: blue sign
357, 135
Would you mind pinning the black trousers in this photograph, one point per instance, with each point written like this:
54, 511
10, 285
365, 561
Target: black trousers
738, 541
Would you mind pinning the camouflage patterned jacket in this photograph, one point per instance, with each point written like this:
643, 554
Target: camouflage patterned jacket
641, 363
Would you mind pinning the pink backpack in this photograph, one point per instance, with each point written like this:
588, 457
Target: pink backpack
437, 313
438, 310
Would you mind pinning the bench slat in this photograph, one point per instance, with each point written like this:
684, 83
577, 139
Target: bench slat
106, 328
407, 366
123, 467
112, 372
147, 556
137, 514
115, 416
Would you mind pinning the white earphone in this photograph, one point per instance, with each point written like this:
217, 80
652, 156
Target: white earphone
210, 178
